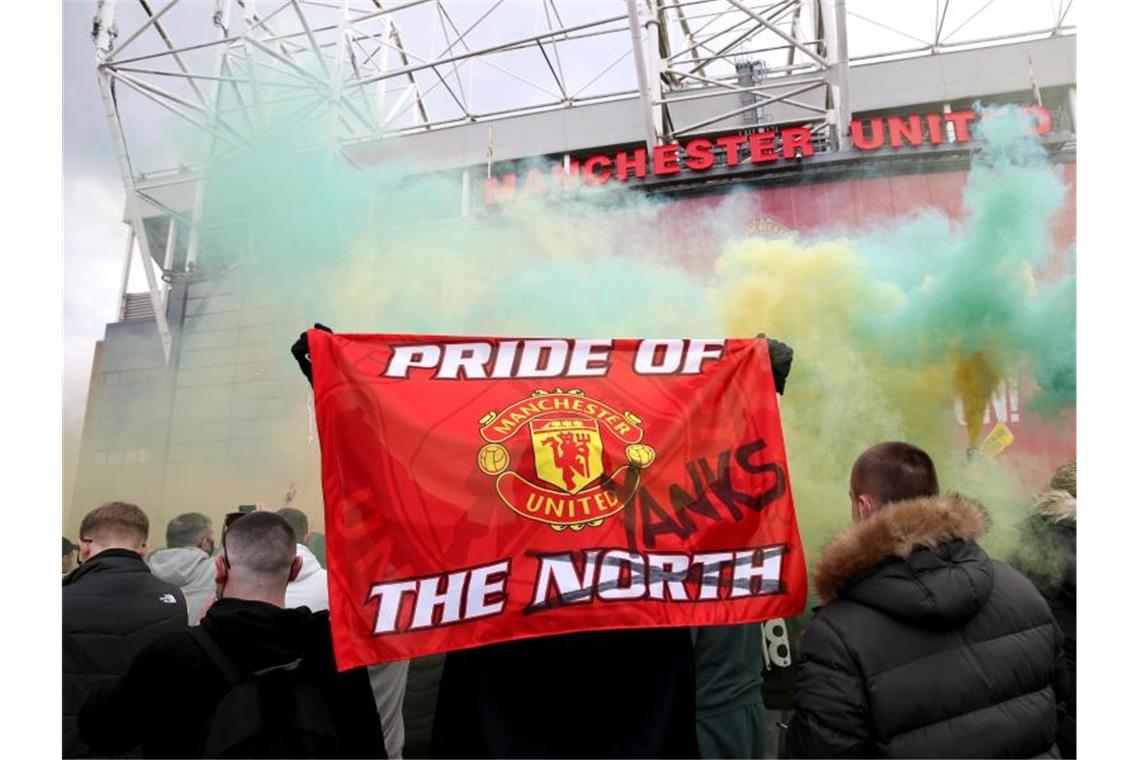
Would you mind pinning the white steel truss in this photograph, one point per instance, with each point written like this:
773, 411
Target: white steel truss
386, 68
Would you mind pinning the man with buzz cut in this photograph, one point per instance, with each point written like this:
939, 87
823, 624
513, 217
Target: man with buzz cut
255, 679
187, 562
112, 607
924, 645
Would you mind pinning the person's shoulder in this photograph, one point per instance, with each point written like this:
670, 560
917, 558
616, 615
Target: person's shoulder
318, 631
318, 621
165, 587
846, 625
176, 642
172, 652
843, 612
829, 618
72, 591
1014, 592
1008, 578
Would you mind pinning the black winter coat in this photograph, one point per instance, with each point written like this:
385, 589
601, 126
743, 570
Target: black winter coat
1047, 554
112, 608
168, 696
926, 647
620, 693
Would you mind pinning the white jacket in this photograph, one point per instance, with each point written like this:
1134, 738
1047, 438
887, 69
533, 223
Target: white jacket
311, 587
192, 570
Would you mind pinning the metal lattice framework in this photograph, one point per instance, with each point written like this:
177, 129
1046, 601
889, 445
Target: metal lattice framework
370, 70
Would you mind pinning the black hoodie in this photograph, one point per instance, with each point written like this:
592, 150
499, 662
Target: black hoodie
925, 647
167, 697
617, 693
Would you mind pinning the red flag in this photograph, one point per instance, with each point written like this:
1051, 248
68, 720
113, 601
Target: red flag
486, 489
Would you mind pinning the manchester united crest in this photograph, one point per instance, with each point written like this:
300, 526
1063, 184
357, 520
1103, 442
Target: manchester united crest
559, 443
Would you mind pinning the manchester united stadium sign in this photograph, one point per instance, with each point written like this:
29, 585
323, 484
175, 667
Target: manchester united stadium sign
761, 148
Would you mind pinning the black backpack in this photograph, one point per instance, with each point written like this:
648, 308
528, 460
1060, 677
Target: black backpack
280, 711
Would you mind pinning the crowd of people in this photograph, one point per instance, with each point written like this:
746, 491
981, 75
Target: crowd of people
922, 645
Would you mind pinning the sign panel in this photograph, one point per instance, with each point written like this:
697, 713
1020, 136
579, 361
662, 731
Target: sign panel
756, 148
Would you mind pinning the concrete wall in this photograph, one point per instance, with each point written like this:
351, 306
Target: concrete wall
226, 424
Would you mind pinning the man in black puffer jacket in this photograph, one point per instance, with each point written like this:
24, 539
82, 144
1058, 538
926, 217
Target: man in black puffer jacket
112, 608
170, 699
924, 646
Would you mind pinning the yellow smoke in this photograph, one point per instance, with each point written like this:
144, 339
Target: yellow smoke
975, 378
848, 388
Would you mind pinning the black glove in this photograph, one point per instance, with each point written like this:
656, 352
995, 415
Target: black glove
780, 357
300, 351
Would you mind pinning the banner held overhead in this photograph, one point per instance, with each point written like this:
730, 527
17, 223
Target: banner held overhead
480, 490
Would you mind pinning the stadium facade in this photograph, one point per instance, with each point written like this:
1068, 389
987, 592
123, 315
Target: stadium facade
185, 384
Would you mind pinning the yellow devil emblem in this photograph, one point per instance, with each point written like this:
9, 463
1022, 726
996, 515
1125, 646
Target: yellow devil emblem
570, 487
567, 452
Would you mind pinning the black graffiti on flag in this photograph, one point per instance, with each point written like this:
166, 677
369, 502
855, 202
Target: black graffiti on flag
621, 575
707, 487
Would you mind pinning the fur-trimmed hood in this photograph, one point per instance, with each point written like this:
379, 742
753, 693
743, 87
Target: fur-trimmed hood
1047, 547
939, 572
1056, 506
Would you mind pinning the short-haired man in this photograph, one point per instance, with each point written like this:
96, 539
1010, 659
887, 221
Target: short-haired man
924, 645
248, 630
112, 607
187, 562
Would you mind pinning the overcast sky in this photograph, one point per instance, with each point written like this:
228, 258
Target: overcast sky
94, 235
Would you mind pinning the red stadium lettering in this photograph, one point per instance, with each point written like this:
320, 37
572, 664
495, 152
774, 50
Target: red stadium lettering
665, 159
796, 139
762, 146
625, 162
910, 129
731, 145
698, 155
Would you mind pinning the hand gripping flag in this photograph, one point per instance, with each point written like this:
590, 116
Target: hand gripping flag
486, 489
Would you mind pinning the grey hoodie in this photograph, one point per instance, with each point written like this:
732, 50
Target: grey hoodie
192, 570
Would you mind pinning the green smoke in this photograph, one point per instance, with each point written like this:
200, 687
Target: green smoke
877, 317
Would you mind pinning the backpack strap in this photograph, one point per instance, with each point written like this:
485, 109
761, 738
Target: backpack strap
291, 665
219, 658
216, 655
